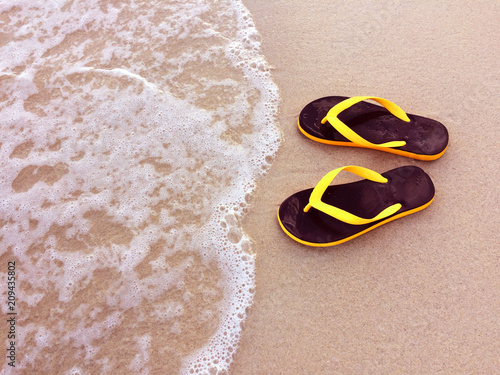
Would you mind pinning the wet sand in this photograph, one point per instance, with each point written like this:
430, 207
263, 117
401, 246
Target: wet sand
420, 295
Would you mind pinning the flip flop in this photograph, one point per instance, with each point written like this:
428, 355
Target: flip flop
342, 121
330, 215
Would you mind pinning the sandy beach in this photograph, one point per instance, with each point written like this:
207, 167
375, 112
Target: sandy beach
133, 134
420, 295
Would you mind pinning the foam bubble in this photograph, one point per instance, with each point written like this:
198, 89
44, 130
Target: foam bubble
132, 136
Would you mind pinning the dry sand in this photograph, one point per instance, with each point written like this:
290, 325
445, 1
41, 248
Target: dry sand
420, 295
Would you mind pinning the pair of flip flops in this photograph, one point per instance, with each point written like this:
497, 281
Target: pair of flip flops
329, 215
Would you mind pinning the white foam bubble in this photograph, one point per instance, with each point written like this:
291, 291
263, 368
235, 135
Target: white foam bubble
130, 128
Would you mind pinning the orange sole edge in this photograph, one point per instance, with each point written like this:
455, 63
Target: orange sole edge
385, 149
406, 213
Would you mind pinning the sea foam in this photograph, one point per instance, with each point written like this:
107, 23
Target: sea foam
132, 134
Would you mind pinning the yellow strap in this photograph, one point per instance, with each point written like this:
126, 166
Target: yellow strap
337, 213
347, 132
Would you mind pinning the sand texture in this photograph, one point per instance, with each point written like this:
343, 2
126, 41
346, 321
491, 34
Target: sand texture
98, 172
420, 295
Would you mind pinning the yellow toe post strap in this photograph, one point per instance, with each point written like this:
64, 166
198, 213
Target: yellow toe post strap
339, 214
347, 132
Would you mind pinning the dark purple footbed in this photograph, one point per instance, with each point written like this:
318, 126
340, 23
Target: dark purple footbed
409, 185
374, 123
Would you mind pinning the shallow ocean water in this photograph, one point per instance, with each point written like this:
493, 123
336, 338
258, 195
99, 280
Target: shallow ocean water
132, 134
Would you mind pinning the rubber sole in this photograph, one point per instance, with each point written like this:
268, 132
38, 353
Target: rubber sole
426, 139
385, 149
392, 218
409, 186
